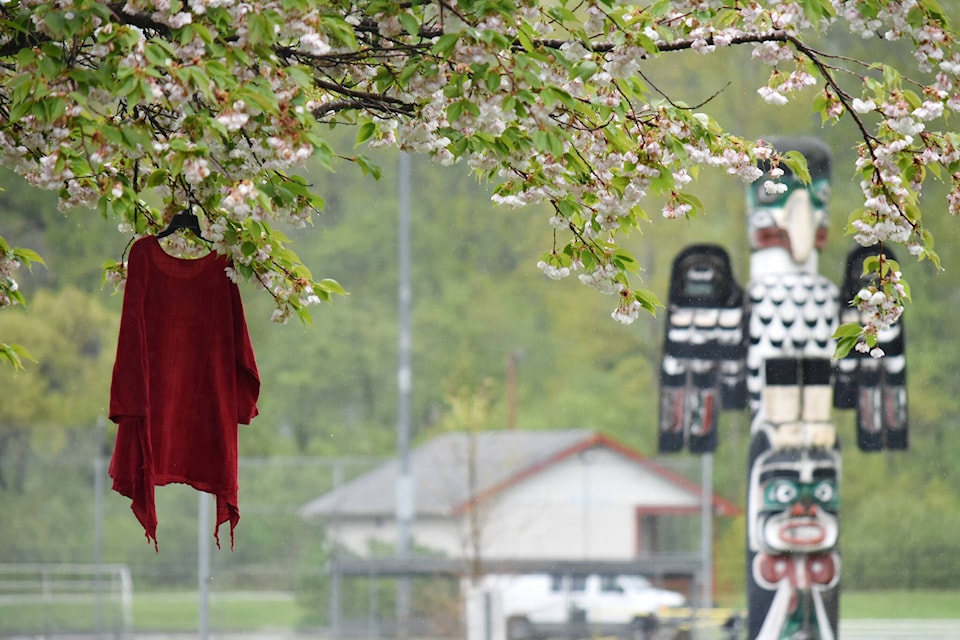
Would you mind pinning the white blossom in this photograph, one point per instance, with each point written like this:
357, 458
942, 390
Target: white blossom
772, 187
552, 271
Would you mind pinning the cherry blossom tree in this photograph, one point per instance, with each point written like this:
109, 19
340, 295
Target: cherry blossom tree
144, 109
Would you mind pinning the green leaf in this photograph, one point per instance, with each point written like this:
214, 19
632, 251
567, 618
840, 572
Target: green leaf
157, 52
820, 106
906, 289
816, 10
304, 314
935, 11
693, 201
523, 35
367, 129
797, 164
368, 167
561, 14
445, 44
15, 354
847, 330
646, 42
454, 88
648, 300
258, 28
586, 70
454, 111
257, 92
663, 183
56, 23
332, 286
492, 80
844, 346
625, 261
339, 30
12, 25
28, 256
575, 163
410, 23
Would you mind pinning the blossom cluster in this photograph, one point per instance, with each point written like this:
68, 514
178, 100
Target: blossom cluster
608, 198
8, 284
214, 104
219, 136
880, 306
903, 138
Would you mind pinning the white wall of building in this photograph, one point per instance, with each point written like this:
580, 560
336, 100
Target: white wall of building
583, 507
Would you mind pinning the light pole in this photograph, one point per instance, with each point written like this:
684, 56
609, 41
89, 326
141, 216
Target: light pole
99, 471
706, 538
404, 488
203, 564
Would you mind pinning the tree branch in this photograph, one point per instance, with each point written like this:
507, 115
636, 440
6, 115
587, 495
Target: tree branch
361, 100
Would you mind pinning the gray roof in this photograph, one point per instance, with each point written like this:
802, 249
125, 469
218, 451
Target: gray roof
440, 471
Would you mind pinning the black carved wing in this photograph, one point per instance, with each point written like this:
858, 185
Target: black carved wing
702, 368
875, 387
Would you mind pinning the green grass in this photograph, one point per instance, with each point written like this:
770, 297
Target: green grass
900, 604
248, 611
156, 611
53, 618
256, 611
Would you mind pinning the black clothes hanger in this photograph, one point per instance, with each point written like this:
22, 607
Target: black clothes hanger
186, 220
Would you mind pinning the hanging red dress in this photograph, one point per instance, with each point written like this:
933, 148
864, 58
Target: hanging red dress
184, 378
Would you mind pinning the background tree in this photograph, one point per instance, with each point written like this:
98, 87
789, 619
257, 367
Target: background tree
45, 406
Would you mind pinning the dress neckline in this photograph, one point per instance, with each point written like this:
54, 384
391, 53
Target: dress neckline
178, 266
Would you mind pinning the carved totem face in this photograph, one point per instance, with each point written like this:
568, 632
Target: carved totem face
787, 223
794, 500
792, 224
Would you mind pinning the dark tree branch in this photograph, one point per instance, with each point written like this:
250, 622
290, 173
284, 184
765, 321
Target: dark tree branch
361, 99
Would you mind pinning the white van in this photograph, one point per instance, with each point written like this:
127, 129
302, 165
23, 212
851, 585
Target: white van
540, 605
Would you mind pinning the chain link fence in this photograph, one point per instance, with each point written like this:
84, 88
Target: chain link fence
59, 514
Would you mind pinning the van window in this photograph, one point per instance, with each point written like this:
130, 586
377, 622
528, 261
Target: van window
637, 583
610, 584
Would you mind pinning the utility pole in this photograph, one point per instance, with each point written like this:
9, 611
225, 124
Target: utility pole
99, 471
706, 541
203, 564
404, 488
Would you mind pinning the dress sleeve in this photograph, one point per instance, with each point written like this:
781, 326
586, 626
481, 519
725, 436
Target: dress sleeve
128, 389
131, 466
248, 377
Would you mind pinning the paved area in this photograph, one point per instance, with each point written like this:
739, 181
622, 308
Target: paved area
900, 629
849, 630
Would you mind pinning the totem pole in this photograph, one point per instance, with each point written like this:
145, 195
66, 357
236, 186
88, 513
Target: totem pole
770, 348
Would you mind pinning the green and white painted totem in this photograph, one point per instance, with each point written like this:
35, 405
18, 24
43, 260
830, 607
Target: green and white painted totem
769, 348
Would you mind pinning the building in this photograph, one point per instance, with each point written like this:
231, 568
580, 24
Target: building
534, 496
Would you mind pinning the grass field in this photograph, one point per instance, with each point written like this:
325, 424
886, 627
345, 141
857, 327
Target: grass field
259, 611
900, 604
229, 611
155, 611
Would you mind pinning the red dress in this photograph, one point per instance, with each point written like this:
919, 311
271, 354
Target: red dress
184, 377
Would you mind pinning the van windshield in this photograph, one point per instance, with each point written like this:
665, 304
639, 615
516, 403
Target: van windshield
634, 583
